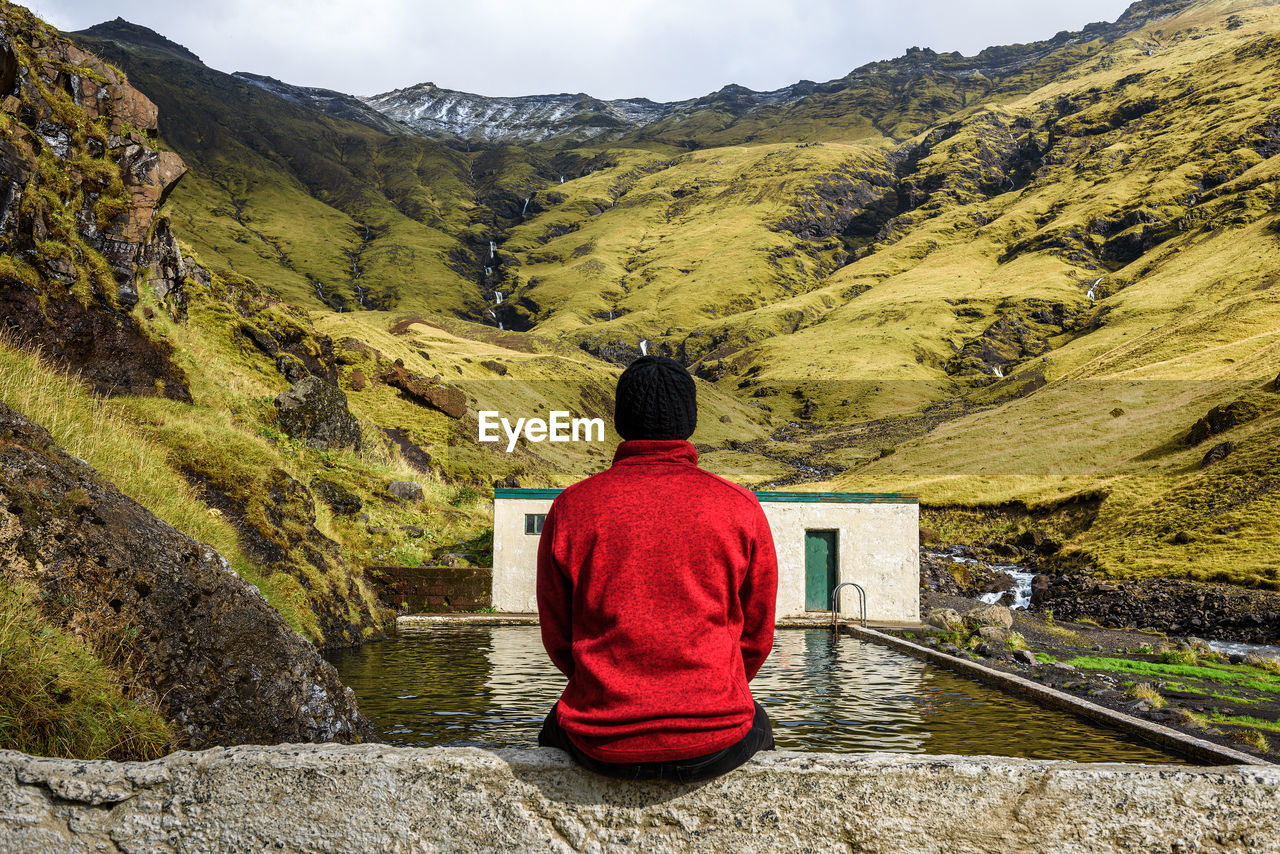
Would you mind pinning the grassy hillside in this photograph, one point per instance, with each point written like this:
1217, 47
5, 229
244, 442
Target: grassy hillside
329, 212
1008, 281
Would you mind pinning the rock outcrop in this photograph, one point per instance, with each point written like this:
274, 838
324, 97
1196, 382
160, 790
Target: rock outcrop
428, 392
1172, 606
373, 798
316, 412
405, 490
988, 615
341, 500
1222, 418
81, 186
201, 644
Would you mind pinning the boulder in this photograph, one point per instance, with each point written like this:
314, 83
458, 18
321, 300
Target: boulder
316, 412
1218, 453
1025, 656
946, 619
341, 500
988, 615
168, 612
995, 634
450, 400
405, 490
1220, 419
1040, 585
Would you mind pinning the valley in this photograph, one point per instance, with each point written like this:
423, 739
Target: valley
1039, 287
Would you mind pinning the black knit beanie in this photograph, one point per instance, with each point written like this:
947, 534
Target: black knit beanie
656, 400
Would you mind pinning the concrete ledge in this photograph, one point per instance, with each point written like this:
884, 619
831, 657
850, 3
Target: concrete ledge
1166, 737
407, 623
329, 798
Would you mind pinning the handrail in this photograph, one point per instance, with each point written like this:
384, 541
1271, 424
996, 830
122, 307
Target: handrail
835, 603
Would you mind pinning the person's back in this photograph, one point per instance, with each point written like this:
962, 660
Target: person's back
656, 589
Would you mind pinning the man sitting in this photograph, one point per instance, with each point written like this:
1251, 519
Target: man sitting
656, 590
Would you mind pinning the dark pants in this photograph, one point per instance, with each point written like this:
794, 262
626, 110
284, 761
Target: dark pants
759, 737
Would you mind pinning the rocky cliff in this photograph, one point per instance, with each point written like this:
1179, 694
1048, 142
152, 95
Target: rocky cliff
167, 613
82, 182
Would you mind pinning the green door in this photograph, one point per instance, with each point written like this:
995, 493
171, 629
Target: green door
819, 569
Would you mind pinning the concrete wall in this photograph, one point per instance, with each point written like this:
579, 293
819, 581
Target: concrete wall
323, 798
515, 556
877, 547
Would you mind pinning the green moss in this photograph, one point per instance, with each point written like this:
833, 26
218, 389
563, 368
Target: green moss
1245, 720
1242, 675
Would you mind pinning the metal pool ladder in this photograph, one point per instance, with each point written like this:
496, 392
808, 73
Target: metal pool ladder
835, 603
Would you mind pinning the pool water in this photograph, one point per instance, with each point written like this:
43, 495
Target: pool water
492, 686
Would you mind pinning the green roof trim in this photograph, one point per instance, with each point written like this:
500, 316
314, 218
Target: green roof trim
526, 494
840, 497
792, 497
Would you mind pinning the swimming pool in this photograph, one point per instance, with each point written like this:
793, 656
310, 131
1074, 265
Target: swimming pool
491, 686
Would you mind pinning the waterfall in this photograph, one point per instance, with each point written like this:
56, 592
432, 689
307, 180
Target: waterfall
644, 347
561, 179
1093, 291
493, 314
525, 208
488, 271
998, 371
498, 296
611, 315
493, 250
500, 325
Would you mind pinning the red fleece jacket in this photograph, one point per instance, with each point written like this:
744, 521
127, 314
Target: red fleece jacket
656, 590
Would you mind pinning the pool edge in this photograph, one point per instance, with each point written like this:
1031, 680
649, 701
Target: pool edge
1163, 736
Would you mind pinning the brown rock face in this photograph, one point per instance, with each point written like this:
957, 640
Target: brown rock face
57, 294
104, 347
438, 396
216, 659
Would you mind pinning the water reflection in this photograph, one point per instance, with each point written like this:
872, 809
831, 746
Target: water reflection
492, 686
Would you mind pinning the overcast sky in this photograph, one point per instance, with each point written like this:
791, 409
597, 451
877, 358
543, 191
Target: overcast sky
660, 49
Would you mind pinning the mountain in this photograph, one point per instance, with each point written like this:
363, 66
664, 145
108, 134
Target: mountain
433, 111
330, 211
1014, 282
326, 101
895, 98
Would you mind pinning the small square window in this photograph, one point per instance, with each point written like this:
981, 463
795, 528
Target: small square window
533, 522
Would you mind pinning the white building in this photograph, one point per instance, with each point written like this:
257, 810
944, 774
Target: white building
822, 539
